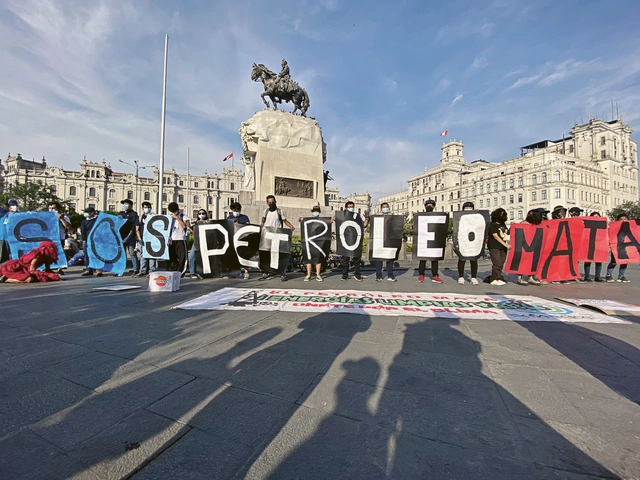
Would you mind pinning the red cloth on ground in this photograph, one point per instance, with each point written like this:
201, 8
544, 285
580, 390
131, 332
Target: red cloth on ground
20, 269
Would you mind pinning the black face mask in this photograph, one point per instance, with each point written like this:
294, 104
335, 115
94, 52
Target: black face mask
273, 207
429, 208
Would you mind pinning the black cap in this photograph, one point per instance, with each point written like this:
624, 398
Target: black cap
575, 210
89, 209
541, 210
468, 204
430, 201
146, 204
316, 208
127, 201
12, 202
558, 207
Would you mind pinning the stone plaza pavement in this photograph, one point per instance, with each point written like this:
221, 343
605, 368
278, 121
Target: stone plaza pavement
107, 385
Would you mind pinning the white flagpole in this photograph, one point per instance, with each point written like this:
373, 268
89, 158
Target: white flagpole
188, 185
164, 112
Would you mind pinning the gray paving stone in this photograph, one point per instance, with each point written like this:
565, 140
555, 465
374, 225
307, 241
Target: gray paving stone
618, 414
198, 455
40, 359
286, 379
128, 445
226, 412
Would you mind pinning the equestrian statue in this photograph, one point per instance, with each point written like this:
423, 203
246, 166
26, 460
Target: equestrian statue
280, 88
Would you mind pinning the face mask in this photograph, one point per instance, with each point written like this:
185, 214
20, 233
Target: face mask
315, 214
429, 208
351, 209
202, 216
273, 207
236, 214
385, 210
86, 215
146, 210
125, 207
13, 208
53, 210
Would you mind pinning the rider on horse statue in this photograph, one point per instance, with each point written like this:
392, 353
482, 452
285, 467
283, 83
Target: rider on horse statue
284, 77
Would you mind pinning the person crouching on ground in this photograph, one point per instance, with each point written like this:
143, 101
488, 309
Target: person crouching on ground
25, 268
498, 245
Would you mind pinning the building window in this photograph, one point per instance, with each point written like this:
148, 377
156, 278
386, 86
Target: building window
603, 141
511, 198
556, 176
519, 181
210, 200
233, 186
92, 192
112, 208
511, 215
181, 198
557, 193
543, 195
112, 194
72, 191
196, 200
130, 195
164, 198
93, 174
147, 196
519, 198
180, 183
72, 207
495, 201
534, 196
495, 186
503, 184
534, 179
603, 154
481, 189
511, 183
481, 204
92, 205
53, 189
543, 177
519, 214
195, 184
570, 148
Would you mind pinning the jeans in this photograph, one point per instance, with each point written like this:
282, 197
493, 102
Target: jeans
148, 265
474, 268
422, 266
587, 269
389, 269
498, 257
192, 261
345, 266
612, 266
135, 261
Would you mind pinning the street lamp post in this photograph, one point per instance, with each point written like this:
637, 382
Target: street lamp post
137, 166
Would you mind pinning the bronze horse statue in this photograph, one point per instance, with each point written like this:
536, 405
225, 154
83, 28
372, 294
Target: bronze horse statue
280, 90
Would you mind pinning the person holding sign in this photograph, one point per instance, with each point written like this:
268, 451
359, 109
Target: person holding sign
90, 217
498, 246
202, 217
237, 216
274, 217
65, 224
429, 206
587, 265
177, 240
147, 265
534, 217
390, 277
623, 217
351, 215
473, 264
131, 236
315, 212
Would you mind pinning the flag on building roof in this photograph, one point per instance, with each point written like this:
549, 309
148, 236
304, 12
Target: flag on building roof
228, 157
445, 133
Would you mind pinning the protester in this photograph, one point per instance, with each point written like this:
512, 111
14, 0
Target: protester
350, 209
177, 240
575, 212
558, 212
12, 207
202, 217
472, 263
90, 217
70, 248
587, 265
65, 224
130, 232
315, 211
534, 217
25, 268
544, 213
429, 206
498, 246
275, 217
390, 277
238, 217
623, 217
147, 265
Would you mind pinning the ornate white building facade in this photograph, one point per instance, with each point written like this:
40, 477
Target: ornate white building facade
594, 168
97, 185
362, 201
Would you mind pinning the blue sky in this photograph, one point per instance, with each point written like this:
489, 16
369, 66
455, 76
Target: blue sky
84, 78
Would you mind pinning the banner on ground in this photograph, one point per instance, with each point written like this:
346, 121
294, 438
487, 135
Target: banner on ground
315, 238
470, 229
25, 231
385, 239
104, 244
349, 234
503, 307
430, 235
157, 229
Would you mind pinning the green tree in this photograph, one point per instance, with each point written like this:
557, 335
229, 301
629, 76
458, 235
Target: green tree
632, 209
32, 196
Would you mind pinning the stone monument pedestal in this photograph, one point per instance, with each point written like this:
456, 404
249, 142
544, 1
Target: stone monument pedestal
284, 156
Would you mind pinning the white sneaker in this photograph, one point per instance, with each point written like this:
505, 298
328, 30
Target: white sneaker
246, 276
474, 281
461, 281
307, 278
498, 283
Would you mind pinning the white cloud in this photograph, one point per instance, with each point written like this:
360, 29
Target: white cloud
457, 99
443, 84
480, 62
553, 72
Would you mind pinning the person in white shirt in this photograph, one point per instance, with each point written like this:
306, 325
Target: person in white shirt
275, 217
177, 240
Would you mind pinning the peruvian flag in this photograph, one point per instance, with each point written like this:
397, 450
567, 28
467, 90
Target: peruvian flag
228, 157
445, 133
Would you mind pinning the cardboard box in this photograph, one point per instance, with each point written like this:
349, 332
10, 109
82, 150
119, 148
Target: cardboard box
164, 281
